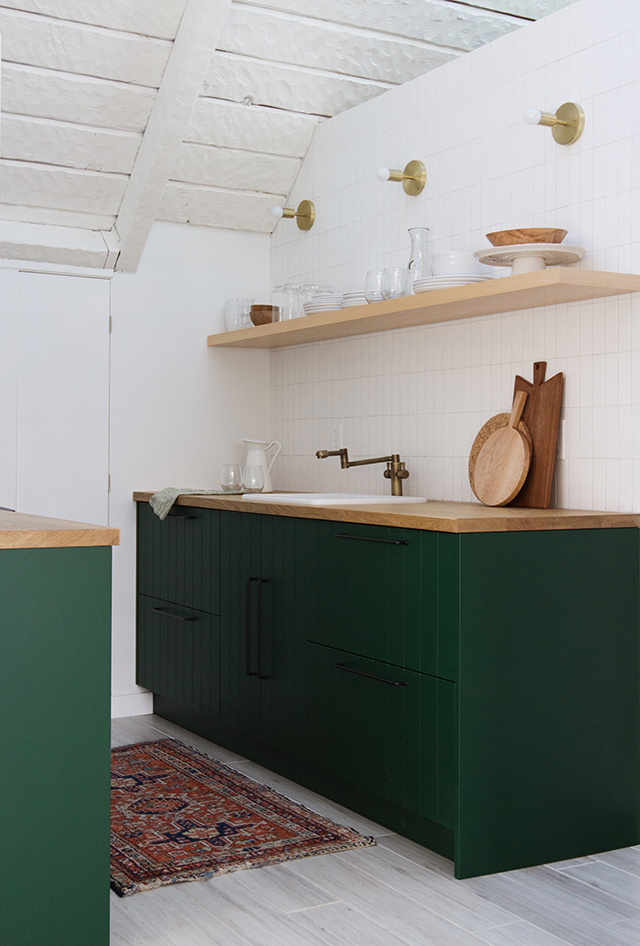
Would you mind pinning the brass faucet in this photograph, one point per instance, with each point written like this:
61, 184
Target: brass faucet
395, 467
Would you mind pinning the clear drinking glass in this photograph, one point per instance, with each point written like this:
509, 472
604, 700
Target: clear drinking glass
291, 306
244, 312
373, 285
394, 282
231, 478
253, 478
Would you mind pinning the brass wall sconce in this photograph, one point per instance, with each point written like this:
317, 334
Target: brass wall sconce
567, 123
413, 178
304, 215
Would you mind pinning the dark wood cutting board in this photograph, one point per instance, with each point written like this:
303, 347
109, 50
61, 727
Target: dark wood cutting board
541, 415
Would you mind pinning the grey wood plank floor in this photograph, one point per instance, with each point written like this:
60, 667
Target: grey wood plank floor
394, 894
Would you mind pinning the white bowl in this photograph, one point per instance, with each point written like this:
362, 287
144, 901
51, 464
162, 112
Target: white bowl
455, 263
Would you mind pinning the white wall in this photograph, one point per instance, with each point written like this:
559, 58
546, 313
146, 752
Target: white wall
178, 408
425, 392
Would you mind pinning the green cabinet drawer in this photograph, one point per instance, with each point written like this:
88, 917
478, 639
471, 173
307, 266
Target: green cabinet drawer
178, 654
179, 557
385, 729
380, 594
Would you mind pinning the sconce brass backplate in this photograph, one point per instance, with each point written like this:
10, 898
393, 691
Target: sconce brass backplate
414, 178
573, 115
305, 214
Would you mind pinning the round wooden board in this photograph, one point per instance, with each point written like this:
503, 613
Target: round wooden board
494, 423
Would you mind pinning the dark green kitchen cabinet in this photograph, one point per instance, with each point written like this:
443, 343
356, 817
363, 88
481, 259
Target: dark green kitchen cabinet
477, 692
55, 693
178, 654
386, 729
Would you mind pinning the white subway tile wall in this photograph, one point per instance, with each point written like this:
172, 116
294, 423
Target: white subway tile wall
425, 392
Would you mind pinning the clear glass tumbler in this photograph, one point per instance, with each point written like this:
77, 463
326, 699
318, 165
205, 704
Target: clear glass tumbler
373, 286
253, 478
394, 282
231, 478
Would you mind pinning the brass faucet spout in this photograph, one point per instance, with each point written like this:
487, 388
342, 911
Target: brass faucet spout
395, 471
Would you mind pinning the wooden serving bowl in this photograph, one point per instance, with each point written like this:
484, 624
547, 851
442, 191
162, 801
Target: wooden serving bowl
261, 314
531, 235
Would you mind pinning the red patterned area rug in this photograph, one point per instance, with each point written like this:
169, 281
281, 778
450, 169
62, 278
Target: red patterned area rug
177, 815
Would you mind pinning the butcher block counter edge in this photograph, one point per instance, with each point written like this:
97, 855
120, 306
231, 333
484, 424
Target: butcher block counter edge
432, 516
22, 531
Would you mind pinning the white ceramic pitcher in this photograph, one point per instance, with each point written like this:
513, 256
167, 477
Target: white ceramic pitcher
257, 454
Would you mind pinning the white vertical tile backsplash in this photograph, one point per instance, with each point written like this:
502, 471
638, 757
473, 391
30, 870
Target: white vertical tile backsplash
425, 392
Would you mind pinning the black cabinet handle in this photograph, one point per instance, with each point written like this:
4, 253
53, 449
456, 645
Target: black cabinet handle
257, 672
181, 517
170, 614
366, 538
370, 676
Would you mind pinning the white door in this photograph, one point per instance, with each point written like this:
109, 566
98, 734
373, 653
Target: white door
63, 397
8, 385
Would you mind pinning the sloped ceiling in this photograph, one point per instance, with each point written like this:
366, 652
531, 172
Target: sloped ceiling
119, 112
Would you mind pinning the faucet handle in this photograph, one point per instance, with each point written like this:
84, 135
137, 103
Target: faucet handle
402, 474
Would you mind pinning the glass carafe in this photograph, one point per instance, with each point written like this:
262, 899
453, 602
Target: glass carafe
419, 258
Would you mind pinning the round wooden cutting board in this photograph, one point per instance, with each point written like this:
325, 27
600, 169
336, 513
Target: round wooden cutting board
500, 457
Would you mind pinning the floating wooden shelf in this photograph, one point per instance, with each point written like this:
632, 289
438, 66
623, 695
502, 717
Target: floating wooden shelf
509, 293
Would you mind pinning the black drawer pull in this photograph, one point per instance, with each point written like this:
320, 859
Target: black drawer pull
366, 538
258, 671
181, 517
170, 614
393, 683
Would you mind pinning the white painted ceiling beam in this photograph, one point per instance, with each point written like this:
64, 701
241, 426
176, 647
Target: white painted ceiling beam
434, 21
286, 38
66, 245
44, 93
296, 89
88, 50
216, 207
158, 18
250, 128
39, 185
196, 39
66, 145
237, 170
52, 216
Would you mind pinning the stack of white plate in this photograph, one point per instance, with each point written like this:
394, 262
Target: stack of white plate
324, 303
446, 282
357, 297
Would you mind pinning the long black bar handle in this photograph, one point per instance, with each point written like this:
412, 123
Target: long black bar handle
259, 674
247, 666
181, 517
370, 676
170, 614
366, 538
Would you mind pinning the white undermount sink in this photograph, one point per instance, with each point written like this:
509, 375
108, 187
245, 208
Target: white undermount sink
330, 499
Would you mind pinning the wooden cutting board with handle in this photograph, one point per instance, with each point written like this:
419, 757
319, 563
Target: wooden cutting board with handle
503, 460
541, 415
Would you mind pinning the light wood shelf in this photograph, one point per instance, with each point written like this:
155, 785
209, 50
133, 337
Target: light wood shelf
558, 284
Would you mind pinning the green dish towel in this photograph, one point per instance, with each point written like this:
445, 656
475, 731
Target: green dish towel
162, 501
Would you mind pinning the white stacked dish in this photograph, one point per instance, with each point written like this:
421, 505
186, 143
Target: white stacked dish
326, 302
356, 297
446, 282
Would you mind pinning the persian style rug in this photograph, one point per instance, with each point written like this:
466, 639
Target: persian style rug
177, 815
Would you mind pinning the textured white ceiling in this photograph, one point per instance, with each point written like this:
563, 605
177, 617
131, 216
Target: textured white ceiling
118, 113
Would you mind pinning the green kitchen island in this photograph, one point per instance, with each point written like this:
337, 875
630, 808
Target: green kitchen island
467, 676
55, 633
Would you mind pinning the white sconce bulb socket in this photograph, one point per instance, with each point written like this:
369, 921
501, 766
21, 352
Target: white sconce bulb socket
533, 116
383, 174
277, 212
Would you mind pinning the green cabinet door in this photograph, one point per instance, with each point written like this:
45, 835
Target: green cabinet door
385, 729
548, 697
178, 654
179, 557
380, 594
55, 637
263, 620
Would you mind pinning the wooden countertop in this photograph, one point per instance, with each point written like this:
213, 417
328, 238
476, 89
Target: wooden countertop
21, 531
431, 516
